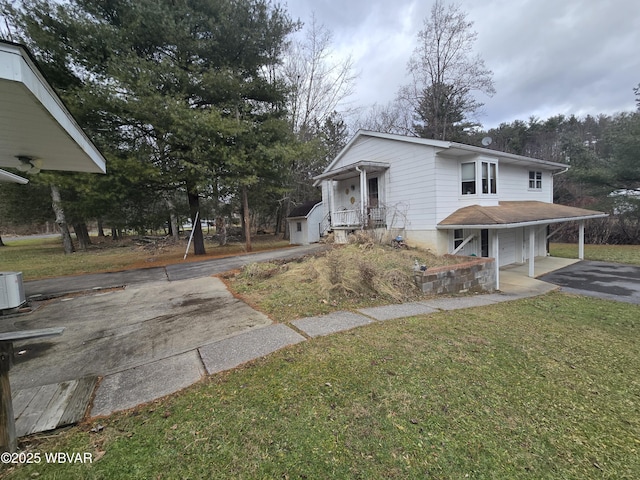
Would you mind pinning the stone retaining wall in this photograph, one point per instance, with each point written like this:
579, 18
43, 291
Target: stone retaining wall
474, 275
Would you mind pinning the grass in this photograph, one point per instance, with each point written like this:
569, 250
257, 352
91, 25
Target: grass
605, 253
539, 388
44, 258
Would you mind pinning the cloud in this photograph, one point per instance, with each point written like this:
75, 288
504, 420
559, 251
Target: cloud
548, 57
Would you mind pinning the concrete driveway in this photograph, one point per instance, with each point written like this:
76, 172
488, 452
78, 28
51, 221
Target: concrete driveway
120, 329
612, 281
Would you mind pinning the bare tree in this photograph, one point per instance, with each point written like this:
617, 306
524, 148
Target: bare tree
389, 118
445, 74
318, 82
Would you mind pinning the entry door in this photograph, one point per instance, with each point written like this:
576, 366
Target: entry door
484, 243
373, 192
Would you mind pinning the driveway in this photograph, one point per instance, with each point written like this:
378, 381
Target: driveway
127, 319
611, 281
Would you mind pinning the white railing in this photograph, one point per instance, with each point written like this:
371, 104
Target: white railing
376, 218
345, 218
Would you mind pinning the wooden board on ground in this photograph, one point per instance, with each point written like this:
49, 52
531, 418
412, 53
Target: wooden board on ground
39, 409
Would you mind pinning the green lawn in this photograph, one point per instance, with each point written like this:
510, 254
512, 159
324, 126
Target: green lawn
547, 387
604, 253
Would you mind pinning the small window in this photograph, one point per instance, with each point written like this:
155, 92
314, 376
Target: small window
299, 226
458, 238
535, 180
468, 175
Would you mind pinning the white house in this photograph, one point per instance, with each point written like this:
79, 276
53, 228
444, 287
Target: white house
446, 196
305, 223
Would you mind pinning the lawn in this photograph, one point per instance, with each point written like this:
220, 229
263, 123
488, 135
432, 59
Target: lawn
603, 253
546, 387
44, 258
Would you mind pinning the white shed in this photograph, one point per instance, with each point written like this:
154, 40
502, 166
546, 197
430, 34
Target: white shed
304, 223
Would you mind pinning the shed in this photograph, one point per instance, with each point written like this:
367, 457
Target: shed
304, 223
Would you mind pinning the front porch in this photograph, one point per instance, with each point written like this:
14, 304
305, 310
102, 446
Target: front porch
355, 196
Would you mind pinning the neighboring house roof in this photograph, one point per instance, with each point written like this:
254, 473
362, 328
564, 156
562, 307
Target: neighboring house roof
449, 148
303, 210
512, 214
34, 122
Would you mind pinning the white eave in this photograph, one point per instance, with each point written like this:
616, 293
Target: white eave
34, 121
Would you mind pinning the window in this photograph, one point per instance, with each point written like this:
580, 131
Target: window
535, 180
488, 174
489, 177
468, 171
458, 238
298, 226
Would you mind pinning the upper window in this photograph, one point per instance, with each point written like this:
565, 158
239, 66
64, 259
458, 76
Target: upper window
468, 171
535, 180
487, 174
488, 177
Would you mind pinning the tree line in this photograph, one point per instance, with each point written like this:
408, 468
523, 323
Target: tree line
226, 109
190, 102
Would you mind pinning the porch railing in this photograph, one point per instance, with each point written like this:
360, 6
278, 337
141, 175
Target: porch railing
375, 218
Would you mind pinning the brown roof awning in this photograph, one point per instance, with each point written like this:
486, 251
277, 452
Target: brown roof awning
515, 214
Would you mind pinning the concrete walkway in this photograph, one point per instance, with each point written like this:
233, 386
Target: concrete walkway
155, 338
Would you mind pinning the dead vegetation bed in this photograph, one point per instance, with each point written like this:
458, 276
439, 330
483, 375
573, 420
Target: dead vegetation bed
344, 277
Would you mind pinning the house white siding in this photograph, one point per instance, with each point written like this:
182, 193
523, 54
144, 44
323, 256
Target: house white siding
420, 183
514, 184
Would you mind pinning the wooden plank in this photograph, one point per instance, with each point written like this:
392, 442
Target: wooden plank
55, 408
26, 422
78, 403
22, 398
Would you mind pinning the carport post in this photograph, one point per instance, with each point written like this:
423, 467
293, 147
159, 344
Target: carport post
532, 251
581, 240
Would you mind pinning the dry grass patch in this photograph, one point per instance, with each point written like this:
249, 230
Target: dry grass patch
344, 277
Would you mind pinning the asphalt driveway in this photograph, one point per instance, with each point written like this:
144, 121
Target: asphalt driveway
612, 281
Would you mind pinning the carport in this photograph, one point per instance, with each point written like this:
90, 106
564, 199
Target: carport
528, 221
37, 132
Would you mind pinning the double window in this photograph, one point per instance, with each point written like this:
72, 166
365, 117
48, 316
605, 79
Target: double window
535, 180
488, 176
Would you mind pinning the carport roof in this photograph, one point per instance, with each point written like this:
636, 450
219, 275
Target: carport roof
515, 214
35, 123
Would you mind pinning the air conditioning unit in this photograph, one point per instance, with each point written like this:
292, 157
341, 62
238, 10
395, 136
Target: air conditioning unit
11, 290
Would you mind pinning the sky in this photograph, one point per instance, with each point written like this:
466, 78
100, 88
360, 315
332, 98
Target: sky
548, 57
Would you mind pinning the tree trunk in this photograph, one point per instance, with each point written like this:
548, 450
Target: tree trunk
246, 219
82, 234
173, 220
221, 231
100, 228
1, 242
194, 207
61, 221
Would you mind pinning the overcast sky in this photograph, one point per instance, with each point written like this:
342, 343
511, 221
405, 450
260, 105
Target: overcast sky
548, 57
